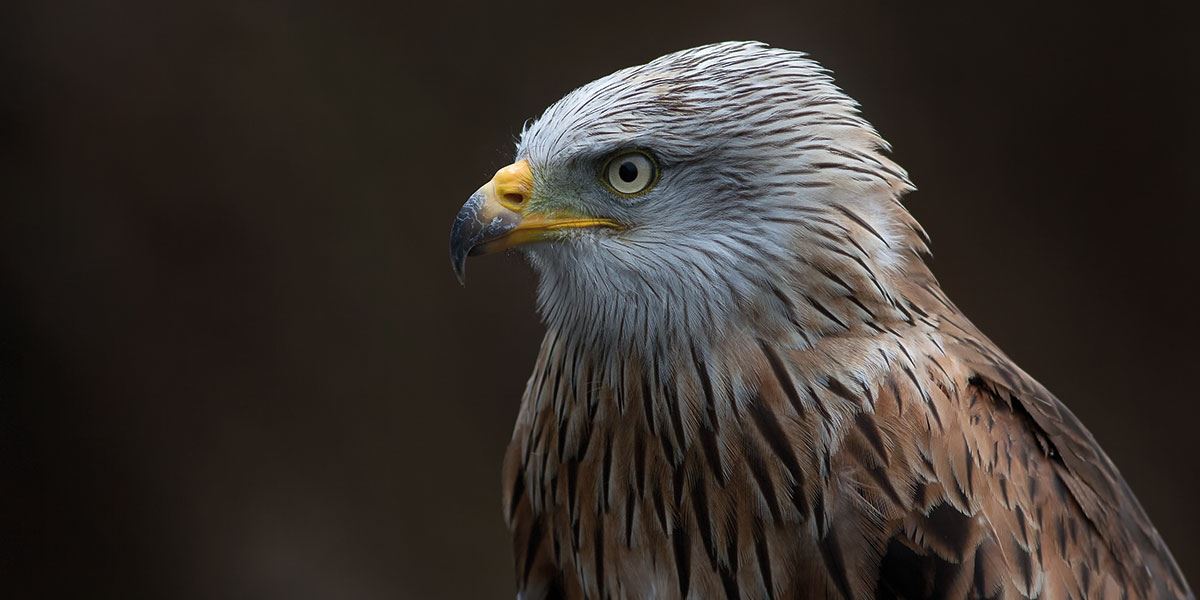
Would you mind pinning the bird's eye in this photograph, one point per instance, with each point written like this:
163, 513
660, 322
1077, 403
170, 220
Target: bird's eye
630, 173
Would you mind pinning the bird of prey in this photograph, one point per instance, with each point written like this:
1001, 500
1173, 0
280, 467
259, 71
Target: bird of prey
751, 385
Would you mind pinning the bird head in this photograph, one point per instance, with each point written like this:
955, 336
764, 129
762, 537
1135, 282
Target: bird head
709, 184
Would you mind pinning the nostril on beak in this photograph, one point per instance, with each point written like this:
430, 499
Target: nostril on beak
513, 185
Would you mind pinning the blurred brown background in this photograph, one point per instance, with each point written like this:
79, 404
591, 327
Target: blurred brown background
234, 362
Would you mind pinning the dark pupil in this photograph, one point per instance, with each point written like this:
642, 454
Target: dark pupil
627, 172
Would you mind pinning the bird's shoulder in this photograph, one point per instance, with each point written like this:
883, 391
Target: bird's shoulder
992, 485
1088, 481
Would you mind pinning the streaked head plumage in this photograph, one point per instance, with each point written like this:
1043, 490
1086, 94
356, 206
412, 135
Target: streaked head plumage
761, 165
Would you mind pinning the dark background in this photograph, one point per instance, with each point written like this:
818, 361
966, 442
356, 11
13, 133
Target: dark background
235, 363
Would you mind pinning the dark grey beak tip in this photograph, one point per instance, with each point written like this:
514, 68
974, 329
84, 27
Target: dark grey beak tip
461, 243
459, 265
465, 233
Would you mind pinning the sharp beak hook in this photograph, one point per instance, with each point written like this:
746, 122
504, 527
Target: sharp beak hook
477, 223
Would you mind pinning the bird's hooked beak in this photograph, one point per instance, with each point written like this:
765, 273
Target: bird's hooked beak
496, 218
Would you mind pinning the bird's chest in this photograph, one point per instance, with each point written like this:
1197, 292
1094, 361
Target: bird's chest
604, 499
637, 507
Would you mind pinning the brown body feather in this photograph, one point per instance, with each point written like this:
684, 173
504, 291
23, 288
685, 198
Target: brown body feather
900, 455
